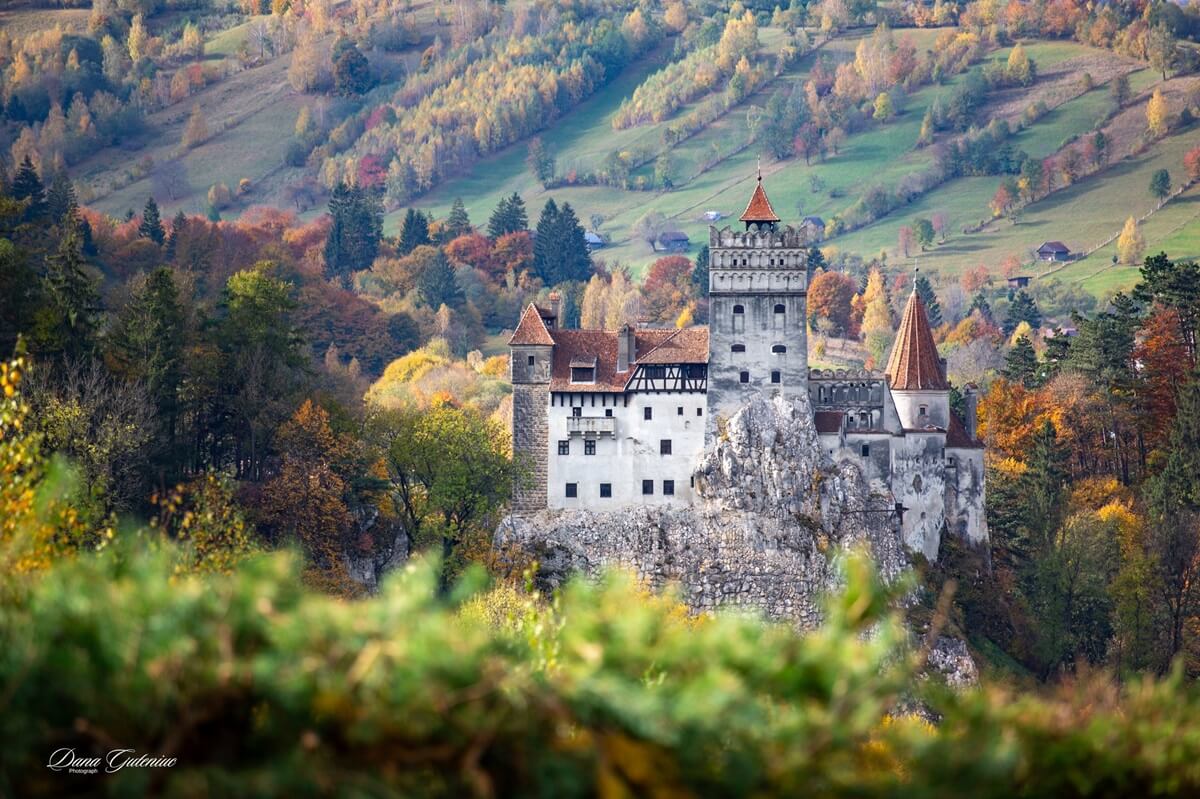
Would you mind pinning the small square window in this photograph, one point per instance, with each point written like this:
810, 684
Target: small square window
699, 411
669, 488
647, 487
924, 409
679, 411
572, 490
605, 490
866, 450
577, 412
744, 377
647, 413
589, 446
532, 360
564, 447
664, 446
776, 377
608, 411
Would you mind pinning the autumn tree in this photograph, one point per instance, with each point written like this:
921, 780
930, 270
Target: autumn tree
1130, 243
877, 330
1158, 113
905, 240
1160, 49
923, 231
667, 288
540, 161
1191, 163
195, 132
829, 297
1020, 68
883, 110
449, 471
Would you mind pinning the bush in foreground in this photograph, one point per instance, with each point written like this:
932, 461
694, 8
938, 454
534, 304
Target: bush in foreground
258, 687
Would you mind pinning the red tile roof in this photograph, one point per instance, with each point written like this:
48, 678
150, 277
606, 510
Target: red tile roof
957, 438
759, 209
828, 421
531, 329
651, 345
914, 364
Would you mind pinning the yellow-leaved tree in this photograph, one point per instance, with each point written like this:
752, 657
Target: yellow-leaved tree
1131, 243
1158, 113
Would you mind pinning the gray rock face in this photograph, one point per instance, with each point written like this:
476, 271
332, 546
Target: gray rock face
774, 514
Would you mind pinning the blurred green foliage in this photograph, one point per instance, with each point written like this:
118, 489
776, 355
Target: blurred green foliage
260, 687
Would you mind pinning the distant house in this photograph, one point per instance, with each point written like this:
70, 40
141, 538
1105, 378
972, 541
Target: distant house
1053, 251
814, 226
1018, 281
672, 241
594, 242
713, 216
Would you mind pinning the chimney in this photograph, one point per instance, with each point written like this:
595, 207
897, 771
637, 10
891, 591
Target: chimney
626, 347
554, 319
971, 406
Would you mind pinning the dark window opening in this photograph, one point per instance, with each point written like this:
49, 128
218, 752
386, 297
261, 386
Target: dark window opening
605, 490
779, 308
866, 450
656, 372
647, 487
738, 348
589, 446
664, 446
583, 374
577, 411
776, 377
564, 447
608, 411
739, 309
779, 349
744, 377
679, 411
668, 487
572, 490
532, 360
699, 411
647, 412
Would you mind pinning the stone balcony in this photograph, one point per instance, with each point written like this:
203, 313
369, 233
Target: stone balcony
591, 425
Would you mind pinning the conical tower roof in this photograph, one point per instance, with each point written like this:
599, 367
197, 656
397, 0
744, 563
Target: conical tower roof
914, 364
759, 209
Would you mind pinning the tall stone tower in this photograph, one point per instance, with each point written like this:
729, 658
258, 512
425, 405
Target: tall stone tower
758, 288
531, 353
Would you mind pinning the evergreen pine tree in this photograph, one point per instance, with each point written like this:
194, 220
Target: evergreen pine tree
1022, 308
980, 303
933, 309
147, 345
61, 202
335, 240
700, 271
574, 261
816, 260
355, 233
509, 217
151, 226
414, 232
544, 244
1058, 349
87, 243
437, 285
28, 186
457, 223
1022, 363
73, 299
177, 226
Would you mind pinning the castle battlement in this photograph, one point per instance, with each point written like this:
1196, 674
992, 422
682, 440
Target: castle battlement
786, 237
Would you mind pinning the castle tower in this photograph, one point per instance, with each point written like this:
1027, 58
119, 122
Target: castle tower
916, 373
531, 351
758, 284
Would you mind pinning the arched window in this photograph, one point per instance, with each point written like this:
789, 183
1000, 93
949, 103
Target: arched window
738, 348
778, 349
739, 309
739, 318
779, 308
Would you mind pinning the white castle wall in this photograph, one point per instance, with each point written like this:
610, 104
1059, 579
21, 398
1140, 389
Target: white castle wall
631, 455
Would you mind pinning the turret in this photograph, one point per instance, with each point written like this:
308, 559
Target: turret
916, 373
531, 356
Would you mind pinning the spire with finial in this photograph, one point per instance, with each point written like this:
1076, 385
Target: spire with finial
759, 210
914, 364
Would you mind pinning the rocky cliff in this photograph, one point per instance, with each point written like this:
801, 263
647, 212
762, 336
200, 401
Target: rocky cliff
774, 513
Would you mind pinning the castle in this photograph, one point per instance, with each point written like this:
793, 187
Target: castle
613, 419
